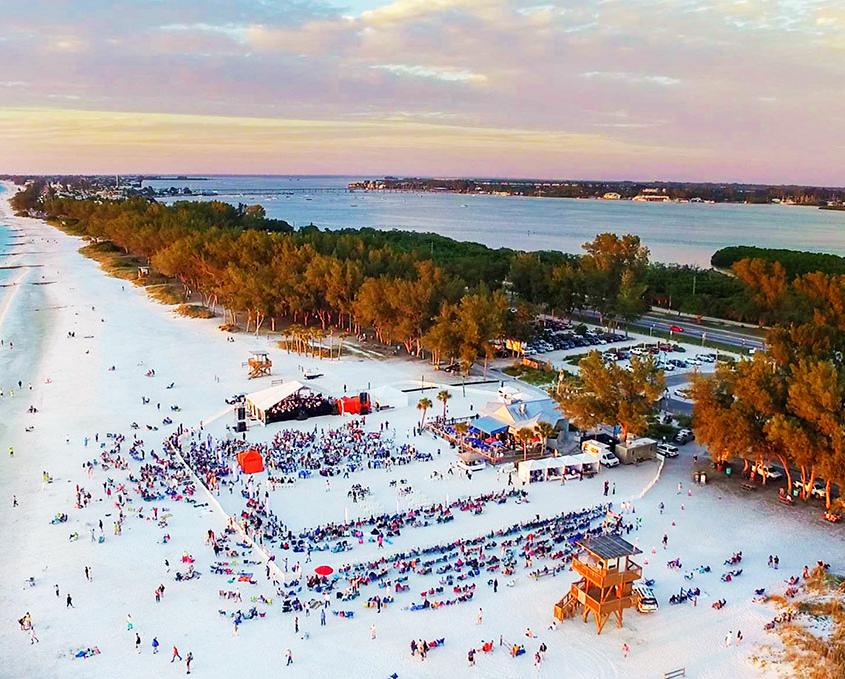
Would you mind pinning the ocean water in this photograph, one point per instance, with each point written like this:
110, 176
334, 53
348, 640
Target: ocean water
5, 274
681, 233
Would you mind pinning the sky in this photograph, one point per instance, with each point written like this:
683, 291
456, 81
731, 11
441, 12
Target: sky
696, 90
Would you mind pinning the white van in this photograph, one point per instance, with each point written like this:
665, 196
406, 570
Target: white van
644, 598
608, 459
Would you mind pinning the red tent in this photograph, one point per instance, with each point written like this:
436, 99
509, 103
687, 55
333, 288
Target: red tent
349, 404
250, 462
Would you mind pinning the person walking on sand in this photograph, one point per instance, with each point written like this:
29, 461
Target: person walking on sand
69, 602
289, 658
155, 645
322, 617
372, 631
665, 540
729, 639
738, 637
129, 624
479, 618
175, 654
56, 587
188, 662
32, 638
137, 643
625, 650
14, 500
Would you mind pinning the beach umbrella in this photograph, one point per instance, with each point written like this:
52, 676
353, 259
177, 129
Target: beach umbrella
324, 570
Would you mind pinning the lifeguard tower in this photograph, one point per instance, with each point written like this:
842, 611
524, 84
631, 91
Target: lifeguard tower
607, 577
259, 364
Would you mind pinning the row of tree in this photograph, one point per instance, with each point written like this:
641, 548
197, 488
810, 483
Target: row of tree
448, 303
786, 404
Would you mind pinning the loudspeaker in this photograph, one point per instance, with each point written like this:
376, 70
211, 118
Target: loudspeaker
240, 426
364, 397
240, 412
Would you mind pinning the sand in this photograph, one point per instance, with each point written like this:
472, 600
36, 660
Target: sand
77, 396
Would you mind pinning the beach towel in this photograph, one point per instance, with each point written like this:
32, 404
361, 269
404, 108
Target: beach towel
86, 652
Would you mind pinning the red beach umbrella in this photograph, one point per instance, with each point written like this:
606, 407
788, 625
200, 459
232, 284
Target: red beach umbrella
324, 570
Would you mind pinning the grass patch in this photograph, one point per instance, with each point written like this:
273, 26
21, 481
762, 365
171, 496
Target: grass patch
166, 293
575, 359
112, 259
659, 431
814, 642
538, 378
194, 311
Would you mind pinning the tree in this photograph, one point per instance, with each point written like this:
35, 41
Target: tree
524, 436
462, 428
786, 403
423, 404
443, 396
610, 261
545, 431
612, 395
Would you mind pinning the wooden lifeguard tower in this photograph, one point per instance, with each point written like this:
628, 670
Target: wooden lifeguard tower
607, 577
259, 364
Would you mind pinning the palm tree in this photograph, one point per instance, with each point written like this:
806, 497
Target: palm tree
462, 428
525, 435
443, 397
294, 334
545, 431
342, 336
424, 404
319, 334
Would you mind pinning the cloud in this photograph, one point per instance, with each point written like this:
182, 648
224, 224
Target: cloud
447, 74
620, 76
704, 71
233, 31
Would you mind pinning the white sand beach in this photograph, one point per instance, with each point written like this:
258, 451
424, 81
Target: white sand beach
77, 396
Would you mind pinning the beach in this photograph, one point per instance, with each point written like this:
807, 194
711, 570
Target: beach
86, 343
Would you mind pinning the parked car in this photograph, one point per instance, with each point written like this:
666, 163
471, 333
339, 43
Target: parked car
667, 450
816, 491
608, 459
644, 598
684, 436
767, 472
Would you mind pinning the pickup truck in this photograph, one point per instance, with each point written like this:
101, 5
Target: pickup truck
767, 472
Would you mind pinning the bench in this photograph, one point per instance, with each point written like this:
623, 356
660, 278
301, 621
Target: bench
675, 674
749, 486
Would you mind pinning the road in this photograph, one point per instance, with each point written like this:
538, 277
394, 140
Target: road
693, 331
